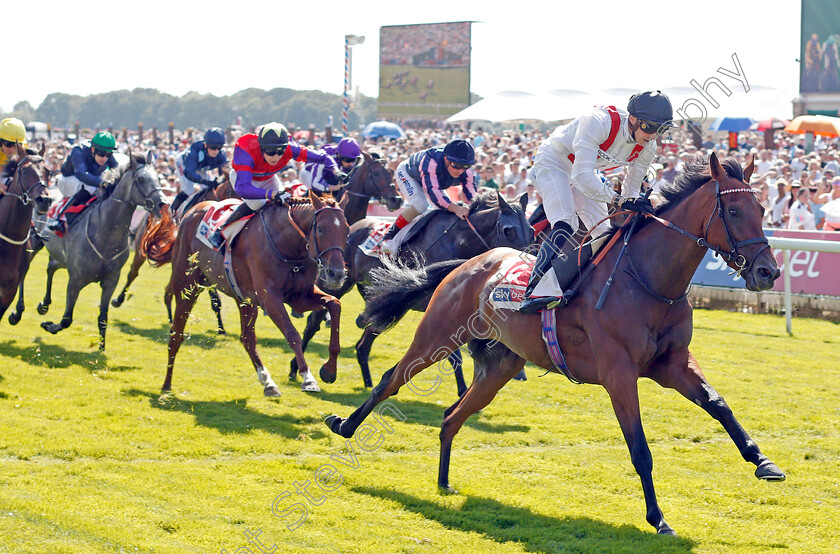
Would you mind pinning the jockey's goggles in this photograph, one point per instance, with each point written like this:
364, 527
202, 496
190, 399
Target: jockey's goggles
650, 128
346, 159
213, 147
274, 151
459, 166
101, 153
7, 143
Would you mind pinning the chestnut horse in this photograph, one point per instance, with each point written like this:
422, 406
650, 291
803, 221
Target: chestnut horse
276, 259
223, 191
26, 190
643, 330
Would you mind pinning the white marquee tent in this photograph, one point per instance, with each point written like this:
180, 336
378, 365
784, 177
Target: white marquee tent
689, 103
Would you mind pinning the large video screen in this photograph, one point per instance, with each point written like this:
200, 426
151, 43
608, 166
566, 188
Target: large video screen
424, 70
819, 59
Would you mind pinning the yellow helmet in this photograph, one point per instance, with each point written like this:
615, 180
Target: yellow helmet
12, 130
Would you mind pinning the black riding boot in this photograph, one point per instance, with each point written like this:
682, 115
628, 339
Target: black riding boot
80, 197
391, 232
179, 199
217, 239
549, 249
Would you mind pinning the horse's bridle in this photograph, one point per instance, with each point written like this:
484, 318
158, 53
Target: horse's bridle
24, 196
148, 201
369, 178
298, 263
733, 253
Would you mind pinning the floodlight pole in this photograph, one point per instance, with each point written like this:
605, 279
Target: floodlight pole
349, 40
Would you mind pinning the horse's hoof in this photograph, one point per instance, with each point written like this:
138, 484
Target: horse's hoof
310, 386
271, 391
327, 376
51, 327
521, 376
361, 321
665, 529
446, 488
117, 302
14, 318
221, 331
43, 308
334, 423
769, 472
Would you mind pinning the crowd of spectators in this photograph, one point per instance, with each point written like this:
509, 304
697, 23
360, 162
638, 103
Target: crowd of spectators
798, 189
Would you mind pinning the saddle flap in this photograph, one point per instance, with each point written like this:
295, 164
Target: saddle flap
216, 218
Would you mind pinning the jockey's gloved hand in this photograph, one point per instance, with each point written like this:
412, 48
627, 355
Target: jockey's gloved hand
641, 205
343, 178
280, 197
218, 181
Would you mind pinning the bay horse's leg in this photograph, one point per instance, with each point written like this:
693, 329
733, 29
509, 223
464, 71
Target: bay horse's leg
248, 318
313, 325
363, 347
622, 387
14, 317
26, 259
274, 308
683, 374
6, 298
183, 285
493, 368
44, 305
216, 305
457, 362
133, 272
167, 301
73, 290
441, 331
317, 299
108, 285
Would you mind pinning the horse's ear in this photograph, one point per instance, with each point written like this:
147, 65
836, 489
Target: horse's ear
716, 169
149, 159
43, 149
130, 159
316, 201
504, 207
523, 201
343, 202
21, 151
748, 171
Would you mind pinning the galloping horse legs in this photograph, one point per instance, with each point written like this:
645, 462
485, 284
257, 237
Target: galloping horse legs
316, 299
313, 325
688, 380
73, 290
624, 395
365, 344
108, 285
6, 300
136, 264
44, 305
493, 368
435, 339
248, 318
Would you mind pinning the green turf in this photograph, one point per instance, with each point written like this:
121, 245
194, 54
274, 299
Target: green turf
92, 459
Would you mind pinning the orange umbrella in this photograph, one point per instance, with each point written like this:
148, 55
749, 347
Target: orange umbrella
818, 124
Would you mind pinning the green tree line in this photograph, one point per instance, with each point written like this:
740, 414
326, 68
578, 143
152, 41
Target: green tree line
152, 108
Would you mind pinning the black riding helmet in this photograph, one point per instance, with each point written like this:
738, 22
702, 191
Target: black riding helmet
273, 135
651, 107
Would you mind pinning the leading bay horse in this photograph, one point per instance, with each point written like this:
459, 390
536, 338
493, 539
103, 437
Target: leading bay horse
643, 330
491, 222
26, 191
276, 258
96, 247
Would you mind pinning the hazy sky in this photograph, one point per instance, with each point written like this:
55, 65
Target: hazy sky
84, 47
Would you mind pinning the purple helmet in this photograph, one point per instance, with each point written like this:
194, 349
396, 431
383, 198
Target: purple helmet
349, 148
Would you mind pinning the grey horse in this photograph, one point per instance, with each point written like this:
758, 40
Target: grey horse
96, 247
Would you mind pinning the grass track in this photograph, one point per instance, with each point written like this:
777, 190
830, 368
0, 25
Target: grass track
93, 460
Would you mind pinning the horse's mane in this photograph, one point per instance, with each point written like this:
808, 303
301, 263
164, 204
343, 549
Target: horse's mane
121, 169
694, 175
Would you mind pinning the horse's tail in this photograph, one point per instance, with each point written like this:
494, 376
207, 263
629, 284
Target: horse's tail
397, 288
159, 238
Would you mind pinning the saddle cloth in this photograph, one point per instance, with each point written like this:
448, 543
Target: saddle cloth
216, 218
371, 246
55, 211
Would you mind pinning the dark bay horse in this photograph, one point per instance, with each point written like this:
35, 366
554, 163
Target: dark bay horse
492, 223
223, 191
276, 259
370, 180
96, 247
27, 191
643, 330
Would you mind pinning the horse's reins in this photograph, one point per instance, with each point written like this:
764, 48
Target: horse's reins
24, 196
298, 263
376, 194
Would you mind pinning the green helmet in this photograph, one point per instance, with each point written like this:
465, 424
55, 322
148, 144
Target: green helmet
105, 141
